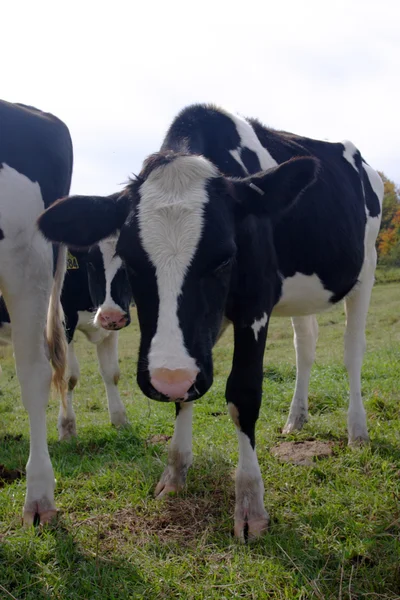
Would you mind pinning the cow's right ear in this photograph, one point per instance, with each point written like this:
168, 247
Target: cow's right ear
81, 221
274, 191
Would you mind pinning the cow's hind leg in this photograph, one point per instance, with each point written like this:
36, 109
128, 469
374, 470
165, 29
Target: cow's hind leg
107, 354
243, 394
27, 291
66, 417
305, 341
356, 306
179, 453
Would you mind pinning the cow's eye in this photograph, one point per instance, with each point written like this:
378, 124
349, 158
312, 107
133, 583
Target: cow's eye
222, 266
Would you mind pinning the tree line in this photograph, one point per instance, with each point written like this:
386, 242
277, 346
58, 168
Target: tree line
388, 242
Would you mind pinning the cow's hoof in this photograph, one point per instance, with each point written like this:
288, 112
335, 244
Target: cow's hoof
358, 432
166, 489
119, 419
357, 442
66, 428
248, 531
171, 482
39, 512
295, 423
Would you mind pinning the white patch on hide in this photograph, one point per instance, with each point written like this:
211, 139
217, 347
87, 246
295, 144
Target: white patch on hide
348, 153
236, 156
302, 295
259, 324
249, 139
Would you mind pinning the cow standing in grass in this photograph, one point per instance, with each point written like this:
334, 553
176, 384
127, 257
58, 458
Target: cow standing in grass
35, 170
86, 291
233, 222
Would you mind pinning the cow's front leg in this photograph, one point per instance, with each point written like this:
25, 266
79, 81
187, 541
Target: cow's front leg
179, 453
107, 353
243, 394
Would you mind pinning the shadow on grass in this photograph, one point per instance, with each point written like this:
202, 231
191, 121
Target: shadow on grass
280, 374
66, 570
386, 450
95, 446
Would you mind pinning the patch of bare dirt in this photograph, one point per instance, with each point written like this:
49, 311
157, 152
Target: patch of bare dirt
158, 439
302, 453
177, 519
9, 475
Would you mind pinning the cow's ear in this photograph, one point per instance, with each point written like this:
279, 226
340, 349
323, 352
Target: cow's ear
274, 191
81, 221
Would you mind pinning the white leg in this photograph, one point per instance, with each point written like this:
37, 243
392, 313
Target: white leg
66, 417
356, 306
179, 453
27, 293
107, 354
251, 518
305, 341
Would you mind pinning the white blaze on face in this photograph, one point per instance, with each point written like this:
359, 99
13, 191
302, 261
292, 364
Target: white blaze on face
170, 216
111, 265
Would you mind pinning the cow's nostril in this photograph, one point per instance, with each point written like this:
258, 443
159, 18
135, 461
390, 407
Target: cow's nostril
112, 319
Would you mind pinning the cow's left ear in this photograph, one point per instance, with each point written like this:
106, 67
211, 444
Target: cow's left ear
81, 221
274, 191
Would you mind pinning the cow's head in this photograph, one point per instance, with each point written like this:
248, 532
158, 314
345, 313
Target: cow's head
108, 285
177, 228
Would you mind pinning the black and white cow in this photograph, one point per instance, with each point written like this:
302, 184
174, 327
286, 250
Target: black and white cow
35, 170
98, 306
234, 220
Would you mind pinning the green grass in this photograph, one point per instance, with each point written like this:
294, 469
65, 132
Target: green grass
335, 531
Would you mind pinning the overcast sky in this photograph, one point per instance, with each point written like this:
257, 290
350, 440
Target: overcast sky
118, 72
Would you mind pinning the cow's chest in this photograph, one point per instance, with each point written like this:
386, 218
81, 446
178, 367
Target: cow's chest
93, 333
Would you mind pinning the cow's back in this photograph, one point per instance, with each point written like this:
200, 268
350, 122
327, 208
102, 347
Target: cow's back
38, 146
320, 242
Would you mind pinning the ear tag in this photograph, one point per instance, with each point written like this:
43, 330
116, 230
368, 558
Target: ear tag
256, 189
72, 262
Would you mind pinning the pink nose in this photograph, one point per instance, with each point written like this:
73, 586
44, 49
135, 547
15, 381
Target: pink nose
173, 383
112, 319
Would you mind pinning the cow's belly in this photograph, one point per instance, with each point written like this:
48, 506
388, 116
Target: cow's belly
302, 295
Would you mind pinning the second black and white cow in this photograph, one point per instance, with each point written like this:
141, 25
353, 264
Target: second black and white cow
96, 301
234, 220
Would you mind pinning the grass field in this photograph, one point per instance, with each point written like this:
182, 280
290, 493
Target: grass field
335, 531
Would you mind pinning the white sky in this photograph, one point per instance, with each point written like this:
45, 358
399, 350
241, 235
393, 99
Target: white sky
118, 72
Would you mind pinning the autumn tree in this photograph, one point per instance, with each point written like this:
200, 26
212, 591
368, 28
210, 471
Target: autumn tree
388, 242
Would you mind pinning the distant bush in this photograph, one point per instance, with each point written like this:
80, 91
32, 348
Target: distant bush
387, 274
